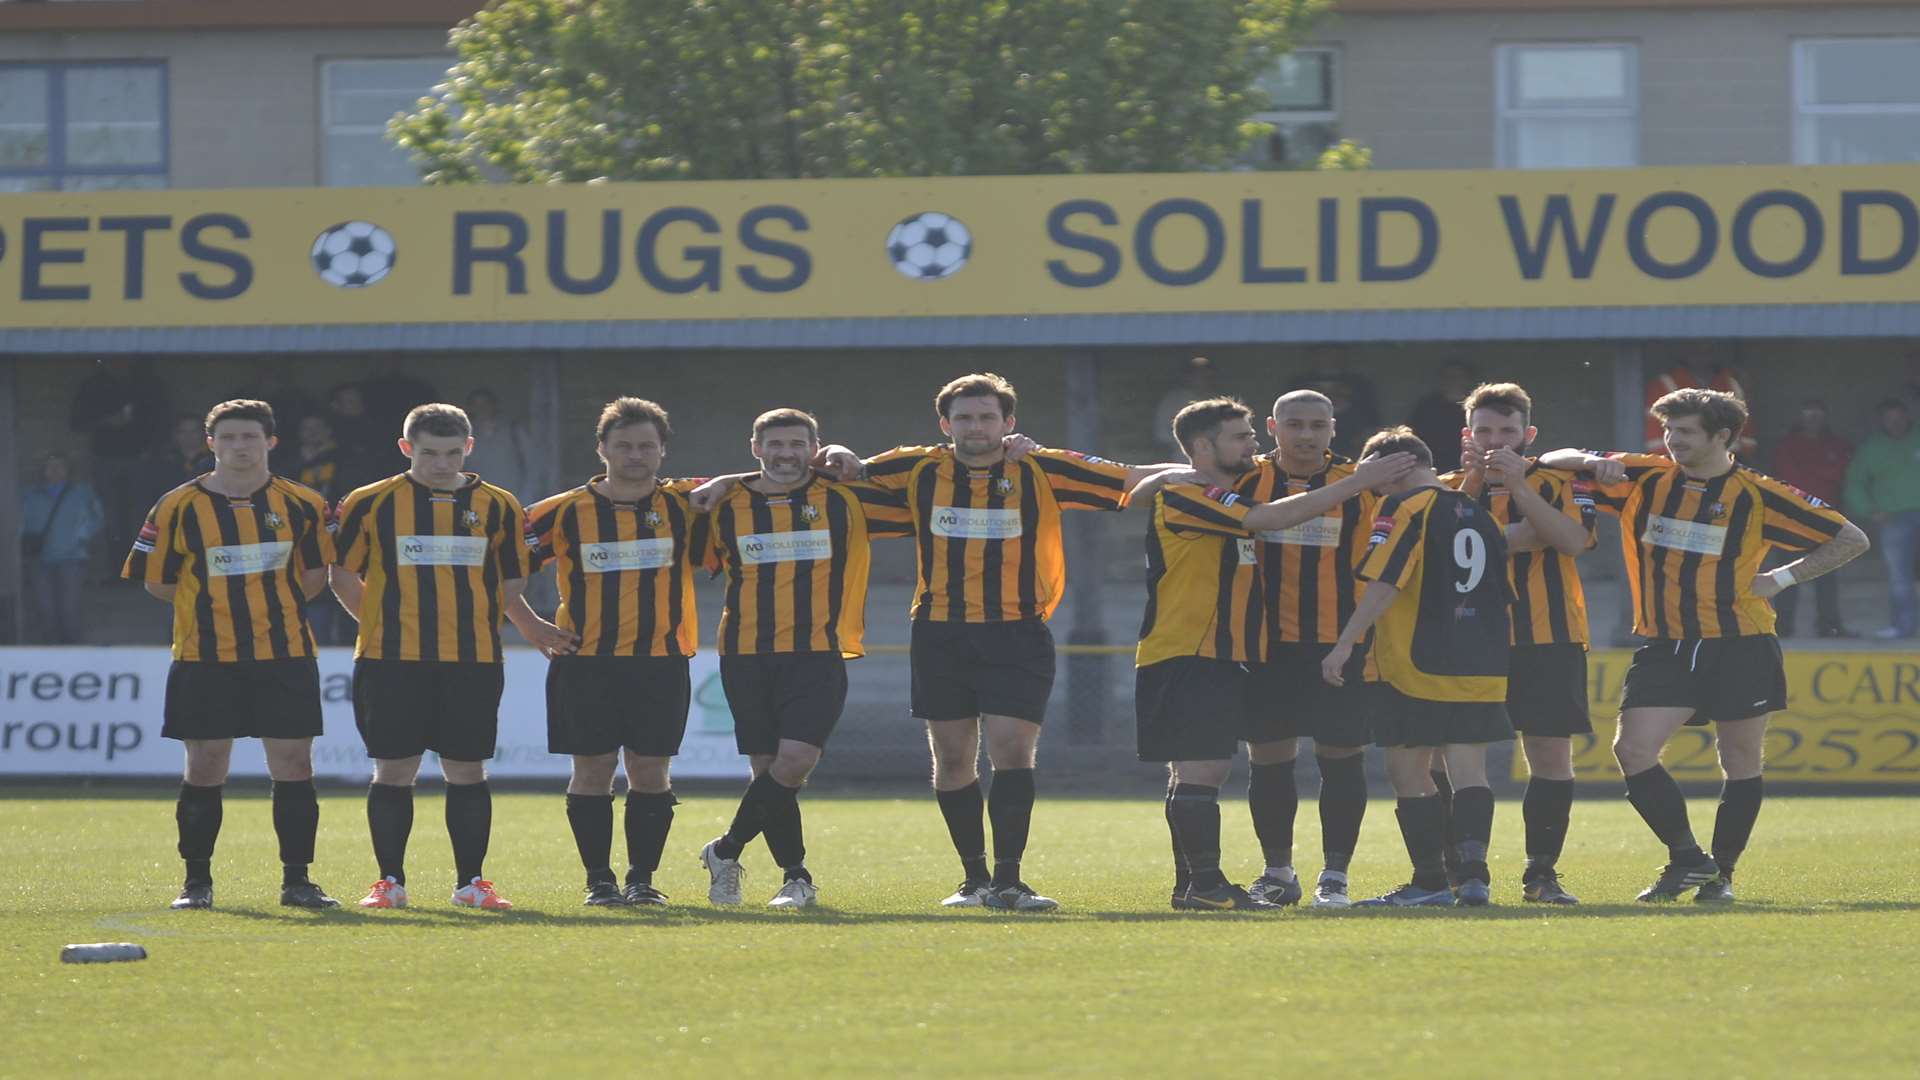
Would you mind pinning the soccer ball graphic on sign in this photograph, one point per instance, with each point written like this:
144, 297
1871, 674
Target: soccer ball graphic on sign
353, 254
929, 246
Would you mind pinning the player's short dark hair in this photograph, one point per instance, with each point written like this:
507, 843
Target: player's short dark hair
981, 384
241, 409
774, 418
1202, 419
1295, 396
438, 419
1397, 440
1504, 398
1717, 410
622, 411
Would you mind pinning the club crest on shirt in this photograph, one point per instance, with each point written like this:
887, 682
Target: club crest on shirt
810, 512
1717, 511
274, 520
653, 519
1003, 485
472, 519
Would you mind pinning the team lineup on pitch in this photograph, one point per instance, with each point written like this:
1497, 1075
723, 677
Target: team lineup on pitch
1290, 594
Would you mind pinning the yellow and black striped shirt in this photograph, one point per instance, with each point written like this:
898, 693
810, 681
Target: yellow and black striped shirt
796, 565
1693, 546
1549, 605
1203, 581
989, 538
433, 562
1307, 570
237, 564
625, 570
1446, 637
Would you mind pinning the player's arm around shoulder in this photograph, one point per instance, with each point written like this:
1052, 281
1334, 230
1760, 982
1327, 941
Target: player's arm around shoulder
1366, 476
1792, 520
1190, 509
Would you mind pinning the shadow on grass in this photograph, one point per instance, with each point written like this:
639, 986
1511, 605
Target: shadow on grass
688, 917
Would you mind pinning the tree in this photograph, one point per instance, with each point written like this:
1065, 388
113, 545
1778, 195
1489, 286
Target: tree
577, 90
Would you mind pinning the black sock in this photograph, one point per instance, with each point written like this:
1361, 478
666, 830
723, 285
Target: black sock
1425, 833
1733, 822
750, 818
649, 818
1195, 813
390, 820
591, 817
1661, 805
296, 821
1182, 872
470, 827
1546, 807
785, 830
963, 807
1473, 825
197, 815
1273, 798
1343, 806
1010, 809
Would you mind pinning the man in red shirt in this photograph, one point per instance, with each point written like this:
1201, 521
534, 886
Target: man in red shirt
1812, 458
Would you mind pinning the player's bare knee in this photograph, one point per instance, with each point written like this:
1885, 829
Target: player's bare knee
1278, 752
396, 772
208, 761
592, 774
794, 763
289, 760
649, 775
1203, 773
463, 772
1335, 753
1548, 757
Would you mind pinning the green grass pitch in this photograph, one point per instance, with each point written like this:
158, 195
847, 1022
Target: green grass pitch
1814, 973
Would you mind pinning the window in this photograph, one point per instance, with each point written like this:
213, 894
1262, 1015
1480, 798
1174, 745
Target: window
357, 98
83, 126
1566, 106
1856, 101
1304, 109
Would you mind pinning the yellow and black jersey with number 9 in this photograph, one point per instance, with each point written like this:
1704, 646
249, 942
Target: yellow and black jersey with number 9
1447, 635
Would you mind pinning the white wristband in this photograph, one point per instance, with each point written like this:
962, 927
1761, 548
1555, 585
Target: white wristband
1784, 578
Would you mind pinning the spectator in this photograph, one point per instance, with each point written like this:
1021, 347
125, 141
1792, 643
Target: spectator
190, 459
1883, 486
1437, 419
1814, 459
503, 451
122, 409
319, 466
366, 450
60, 518
1197, 381
390, 395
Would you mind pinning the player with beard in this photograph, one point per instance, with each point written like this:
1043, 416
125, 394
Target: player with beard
1548, 516
1205, 624
1695, 528
623, 545
795, 550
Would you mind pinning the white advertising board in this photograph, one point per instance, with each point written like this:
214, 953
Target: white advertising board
97, 712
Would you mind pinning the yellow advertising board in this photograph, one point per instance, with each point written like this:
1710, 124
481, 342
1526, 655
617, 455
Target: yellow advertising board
1851, 718
982, 246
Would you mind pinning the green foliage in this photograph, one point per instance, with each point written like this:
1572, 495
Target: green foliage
1345, 156
572, 90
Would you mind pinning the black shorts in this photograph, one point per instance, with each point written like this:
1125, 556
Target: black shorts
1399, 720
244, 699
776, 696
1189, 708
407, 707
1547, 691
600, 704
1730, 678
1287, 698
962, 670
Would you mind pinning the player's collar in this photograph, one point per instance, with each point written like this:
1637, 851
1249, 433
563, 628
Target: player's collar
472, 480
601, 496
203, 482
796, 493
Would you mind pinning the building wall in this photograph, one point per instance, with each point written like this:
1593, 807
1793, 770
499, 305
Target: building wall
244, 105
1716, 86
